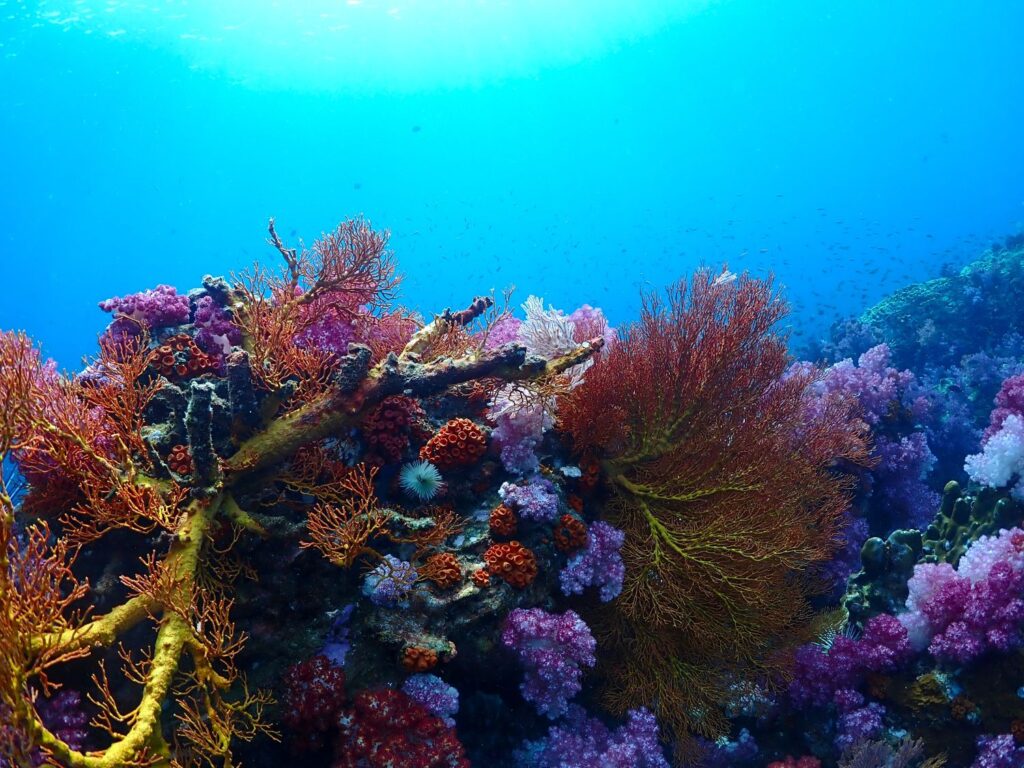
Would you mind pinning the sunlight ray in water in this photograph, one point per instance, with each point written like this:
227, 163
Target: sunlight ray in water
366, 45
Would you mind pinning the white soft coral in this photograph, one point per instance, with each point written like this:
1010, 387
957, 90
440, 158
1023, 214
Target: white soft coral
1001, 460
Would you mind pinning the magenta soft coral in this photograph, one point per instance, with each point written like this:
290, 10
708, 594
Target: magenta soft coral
792, 762
960, 614
388, 729
1009, 401
820, 674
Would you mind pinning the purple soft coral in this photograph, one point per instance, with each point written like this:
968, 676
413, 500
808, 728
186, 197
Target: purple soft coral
535, 501
63, 716
859, 725
599, 565
215, 331
552, 648
159, 307
585, 742
998, 752
820, 674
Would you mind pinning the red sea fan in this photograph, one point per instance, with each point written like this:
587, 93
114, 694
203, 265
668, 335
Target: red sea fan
723, 486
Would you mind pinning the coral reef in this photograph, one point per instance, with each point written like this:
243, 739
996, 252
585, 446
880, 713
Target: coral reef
284, 517
215, 436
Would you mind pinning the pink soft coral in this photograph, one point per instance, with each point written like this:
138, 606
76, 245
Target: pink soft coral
960, 614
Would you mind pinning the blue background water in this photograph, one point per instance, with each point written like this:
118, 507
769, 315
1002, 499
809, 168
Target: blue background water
581, 150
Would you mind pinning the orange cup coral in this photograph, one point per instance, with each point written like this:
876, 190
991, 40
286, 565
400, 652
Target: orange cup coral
458, 443
513, 562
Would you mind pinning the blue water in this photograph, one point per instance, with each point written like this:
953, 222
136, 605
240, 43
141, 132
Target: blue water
580, 150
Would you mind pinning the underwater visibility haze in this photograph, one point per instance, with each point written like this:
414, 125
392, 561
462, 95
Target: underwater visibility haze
519, 384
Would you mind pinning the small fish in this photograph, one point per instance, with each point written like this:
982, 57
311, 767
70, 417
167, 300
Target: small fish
725, 278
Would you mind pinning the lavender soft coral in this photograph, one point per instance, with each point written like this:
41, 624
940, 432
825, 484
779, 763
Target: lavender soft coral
434, 695
390, 582
876, 384
535, 501
504, 331
599, 565
517, 433
552, 648
857, 721
896, 408
585, 742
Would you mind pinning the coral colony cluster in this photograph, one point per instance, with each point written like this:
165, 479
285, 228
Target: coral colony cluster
285, 519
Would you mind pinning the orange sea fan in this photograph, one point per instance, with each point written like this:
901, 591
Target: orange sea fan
341, 531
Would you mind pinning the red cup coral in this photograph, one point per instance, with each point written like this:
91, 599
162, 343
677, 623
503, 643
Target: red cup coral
389, 427
180, 357
570, 534
513, 562
179, 460
503, 521
416, 659
458, 443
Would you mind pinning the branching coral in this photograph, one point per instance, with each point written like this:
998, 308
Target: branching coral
267, 428
342, 531
347, 274
723, 488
